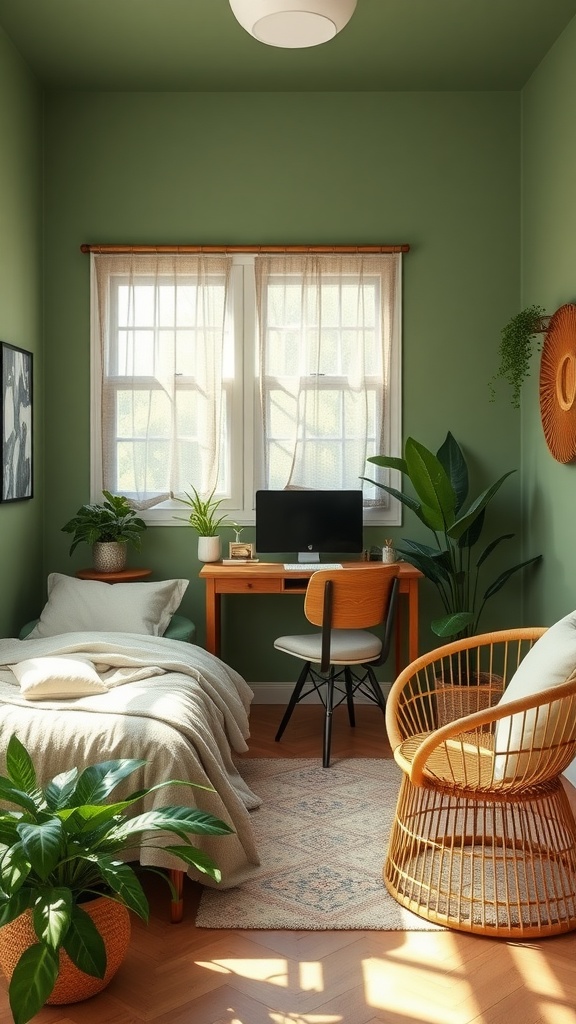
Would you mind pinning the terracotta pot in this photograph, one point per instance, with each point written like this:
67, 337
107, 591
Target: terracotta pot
109, 556
72, 985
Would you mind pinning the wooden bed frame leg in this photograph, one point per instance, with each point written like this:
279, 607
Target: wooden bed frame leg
177, 905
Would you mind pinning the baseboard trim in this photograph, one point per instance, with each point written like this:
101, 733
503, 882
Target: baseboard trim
279, 693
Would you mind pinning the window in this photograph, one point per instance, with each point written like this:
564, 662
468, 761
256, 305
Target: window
239, 372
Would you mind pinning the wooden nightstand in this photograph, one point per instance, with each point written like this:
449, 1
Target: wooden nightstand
124, 576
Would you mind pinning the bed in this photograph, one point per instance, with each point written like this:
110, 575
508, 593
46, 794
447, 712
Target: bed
171, 703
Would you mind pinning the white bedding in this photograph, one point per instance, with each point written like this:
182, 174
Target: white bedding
174, 704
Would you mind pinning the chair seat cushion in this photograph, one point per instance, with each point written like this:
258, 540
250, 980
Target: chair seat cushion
348, 646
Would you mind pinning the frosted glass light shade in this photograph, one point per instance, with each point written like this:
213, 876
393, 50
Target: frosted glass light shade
293, 23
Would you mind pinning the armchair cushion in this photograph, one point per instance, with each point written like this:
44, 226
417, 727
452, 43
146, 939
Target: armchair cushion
550, 662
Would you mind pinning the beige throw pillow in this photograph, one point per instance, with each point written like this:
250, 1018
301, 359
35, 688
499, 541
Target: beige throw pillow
57, 678
76, 605
550, 662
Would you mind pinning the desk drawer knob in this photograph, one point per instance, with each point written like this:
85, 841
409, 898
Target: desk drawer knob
249, 586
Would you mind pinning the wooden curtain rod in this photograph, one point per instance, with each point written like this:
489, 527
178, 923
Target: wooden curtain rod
107, 249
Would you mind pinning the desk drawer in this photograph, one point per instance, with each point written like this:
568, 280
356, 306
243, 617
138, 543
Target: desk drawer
248, 586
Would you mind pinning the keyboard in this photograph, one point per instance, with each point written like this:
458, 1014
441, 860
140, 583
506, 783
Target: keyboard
310, 566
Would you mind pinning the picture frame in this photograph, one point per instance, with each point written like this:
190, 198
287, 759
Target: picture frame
16, 423
240, 550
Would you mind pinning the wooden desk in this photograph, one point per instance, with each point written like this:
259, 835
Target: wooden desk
273, 578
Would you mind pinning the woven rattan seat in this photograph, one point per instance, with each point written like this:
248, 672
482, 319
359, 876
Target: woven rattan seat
484, 839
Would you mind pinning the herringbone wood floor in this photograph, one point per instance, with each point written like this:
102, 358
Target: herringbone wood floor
177, 974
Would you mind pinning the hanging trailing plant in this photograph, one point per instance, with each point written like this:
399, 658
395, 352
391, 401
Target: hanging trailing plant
516, 346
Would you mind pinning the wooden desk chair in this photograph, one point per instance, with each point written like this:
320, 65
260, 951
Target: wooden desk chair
345, 603
484, 840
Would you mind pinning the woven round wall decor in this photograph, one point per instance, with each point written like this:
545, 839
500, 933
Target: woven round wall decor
558, 384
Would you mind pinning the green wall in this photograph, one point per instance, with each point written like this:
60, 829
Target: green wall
549, 279
20, 317
438, 170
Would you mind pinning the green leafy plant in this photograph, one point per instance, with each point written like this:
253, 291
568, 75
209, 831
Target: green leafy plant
516, 345
112, 520
441, 484
204, 516
60, 848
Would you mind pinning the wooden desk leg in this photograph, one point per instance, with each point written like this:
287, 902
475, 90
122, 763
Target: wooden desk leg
413, 639
212, 618
407, 603
399, 634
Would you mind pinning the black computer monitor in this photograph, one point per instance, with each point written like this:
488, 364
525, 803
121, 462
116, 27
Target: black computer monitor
309, 522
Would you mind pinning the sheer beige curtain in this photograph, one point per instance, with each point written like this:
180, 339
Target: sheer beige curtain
328, 328
160, 322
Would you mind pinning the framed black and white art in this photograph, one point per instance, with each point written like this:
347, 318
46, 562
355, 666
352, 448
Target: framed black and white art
16, 416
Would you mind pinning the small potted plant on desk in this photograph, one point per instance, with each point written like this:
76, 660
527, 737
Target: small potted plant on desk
109, 527
64, 892
206, 519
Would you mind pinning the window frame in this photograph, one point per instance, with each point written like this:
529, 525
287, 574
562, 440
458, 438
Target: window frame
245, 449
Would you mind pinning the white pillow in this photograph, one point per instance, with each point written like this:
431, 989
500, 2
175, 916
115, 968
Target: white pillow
76, 605
550, 662
57, 678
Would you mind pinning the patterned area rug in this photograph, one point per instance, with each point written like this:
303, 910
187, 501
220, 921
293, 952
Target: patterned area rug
322, 836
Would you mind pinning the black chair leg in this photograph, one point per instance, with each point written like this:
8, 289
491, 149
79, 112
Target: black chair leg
328, 720
379, 696
350, 695
293, 700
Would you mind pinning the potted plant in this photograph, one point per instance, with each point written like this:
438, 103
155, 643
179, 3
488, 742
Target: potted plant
441, 484
206, 519
109, 527
516, 349
61, 879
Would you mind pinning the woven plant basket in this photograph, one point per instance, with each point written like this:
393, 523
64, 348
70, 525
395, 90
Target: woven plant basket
72, 986
457, 701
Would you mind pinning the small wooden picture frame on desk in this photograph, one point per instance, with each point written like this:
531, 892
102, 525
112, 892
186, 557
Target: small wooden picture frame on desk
242, 551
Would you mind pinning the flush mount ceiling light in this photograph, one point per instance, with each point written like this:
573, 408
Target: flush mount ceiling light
293, 23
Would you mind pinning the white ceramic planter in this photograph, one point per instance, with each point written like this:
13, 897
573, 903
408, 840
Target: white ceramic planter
209, 549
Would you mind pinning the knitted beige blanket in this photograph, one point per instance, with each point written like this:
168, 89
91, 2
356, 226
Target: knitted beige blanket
175, 705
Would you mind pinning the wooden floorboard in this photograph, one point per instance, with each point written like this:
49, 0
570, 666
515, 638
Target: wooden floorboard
180, 974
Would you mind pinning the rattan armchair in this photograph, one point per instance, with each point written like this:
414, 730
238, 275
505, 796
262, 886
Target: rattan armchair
484, 840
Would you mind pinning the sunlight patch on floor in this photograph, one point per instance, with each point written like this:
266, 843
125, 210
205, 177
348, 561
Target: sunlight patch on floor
274, 972
388, 987
311, 976
555, 1004
305, 1018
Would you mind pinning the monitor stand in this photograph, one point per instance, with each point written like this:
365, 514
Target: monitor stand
308, 556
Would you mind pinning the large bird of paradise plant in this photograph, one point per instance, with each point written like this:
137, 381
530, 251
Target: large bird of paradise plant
453, 562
